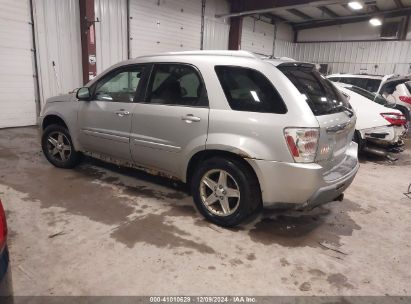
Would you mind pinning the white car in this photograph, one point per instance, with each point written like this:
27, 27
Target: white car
395, 89
375, 123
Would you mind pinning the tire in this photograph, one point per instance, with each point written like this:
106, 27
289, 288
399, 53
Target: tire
58, 147
238, 176
361, 142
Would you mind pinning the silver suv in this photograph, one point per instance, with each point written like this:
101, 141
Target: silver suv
241, 131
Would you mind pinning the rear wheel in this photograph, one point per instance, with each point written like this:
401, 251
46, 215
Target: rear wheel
58, 147
225, 191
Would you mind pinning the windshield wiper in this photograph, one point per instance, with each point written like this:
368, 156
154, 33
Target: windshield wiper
347, 109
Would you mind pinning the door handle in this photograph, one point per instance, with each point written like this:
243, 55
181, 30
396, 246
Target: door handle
189, 118
122, 113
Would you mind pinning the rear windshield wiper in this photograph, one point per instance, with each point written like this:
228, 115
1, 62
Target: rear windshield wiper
347, 109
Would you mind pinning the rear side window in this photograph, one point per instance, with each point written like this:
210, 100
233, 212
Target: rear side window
369, 95
177, 84
321, 95
249, 90
372, 85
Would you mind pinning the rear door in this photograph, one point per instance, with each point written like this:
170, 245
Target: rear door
331, 109
105, 120
171, 120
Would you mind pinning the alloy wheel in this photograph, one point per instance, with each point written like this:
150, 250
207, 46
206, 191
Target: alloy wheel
58, 146
219, 192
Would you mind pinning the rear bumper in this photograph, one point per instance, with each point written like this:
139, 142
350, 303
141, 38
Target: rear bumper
384, 135
304, 184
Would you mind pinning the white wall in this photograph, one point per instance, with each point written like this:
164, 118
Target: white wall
353, 31
358, 31
381, 57
111, 32
358, 57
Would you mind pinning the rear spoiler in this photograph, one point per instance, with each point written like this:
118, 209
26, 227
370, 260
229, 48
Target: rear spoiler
303, 65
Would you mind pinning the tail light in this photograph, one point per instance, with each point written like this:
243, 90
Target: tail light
3, 227
395, 118
303, 143
406, 99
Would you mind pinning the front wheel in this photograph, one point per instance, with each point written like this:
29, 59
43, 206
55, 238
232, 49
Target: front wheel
58, 147
225, 191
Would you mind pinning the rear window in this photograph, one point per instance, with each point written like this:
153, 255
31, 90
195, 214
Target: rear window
249, 90
321, 95
369, 95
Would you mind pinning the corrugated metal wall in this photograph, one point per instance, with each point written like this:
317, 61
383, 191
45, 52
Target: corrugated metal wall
216, 30
164, 25
283, 48
57, 30
17, 98
111, 32
380, 57
257, 36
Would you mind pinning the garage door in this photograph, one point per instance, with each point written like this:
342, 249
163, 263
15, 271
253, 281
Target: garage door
164, 26
17, 102
111, 32
257, 36
57, 30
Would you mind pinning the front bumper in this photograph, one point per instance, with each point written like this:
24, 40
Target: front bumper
305, 185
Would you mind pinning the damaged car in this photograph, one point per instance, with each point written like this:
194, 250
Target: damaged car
240, 131
376, 124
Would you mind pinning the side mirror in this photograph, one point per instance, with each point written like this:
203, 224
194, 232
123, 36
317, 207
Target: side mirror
83, 94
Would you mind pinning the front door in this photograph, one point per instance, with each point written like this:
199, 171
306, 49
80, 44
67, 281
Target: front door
105, 120
172, 119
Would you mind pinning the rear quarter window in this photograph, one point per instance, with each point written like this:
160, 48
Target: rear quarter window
321, 95
249, 90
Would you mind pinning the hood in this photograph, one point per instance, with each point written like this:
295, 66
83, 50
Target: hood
62, 98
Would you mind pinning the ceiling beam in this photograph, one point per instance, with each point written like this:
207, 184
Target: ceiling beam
398, 3
352, 19
299, 14
328, 11
252, 7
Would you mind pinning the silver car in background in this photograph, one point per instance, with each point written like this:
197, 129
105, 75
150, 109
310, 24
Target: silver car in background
241, 131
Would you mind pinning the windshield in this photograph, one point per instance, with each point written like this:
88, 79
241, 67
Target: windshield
321, 95
369, 95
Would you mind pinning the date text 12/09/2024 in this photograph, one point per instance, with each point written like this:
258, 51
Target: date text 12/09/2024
203, 299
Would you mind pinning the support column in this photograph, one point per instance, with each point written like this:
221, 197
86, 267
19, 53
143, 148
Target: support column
88, 39
234, 37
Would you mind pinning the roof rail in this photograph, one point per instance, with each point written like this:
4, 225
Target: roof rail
206, 53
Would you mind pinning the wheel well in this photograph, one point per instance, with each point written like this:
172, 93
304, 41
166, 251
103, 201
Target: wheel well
53, 120
201, 156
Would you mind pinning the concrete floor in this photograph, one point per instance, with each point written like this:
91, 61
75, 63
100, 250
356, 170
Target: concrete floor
104, 230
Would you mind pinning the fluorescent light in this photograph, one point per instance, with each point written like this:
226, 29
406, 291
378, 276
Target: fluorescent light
375, 22
355, 5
